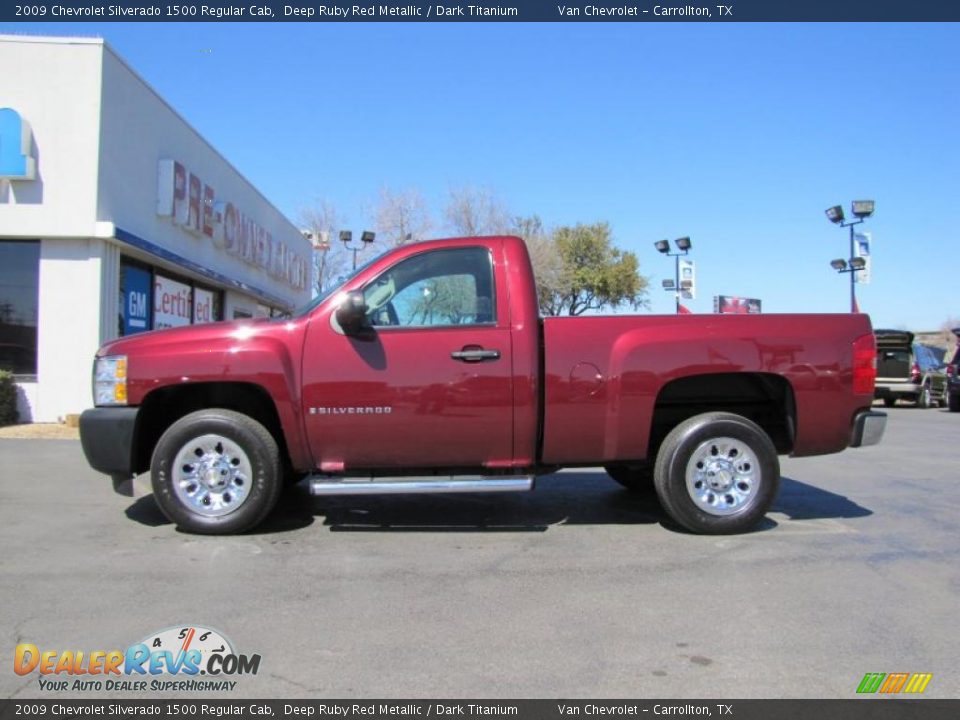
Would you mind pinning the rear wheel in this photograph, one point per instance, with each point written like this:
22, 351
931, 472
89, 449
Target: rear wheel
216, 472
924, 398
953, 402
889, 401
717, 473
637, 478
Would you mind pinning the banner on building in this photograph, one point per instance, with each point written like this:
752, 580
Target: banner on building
135, 296
861, 248
203, 311
733, 305
688, 280
171, 303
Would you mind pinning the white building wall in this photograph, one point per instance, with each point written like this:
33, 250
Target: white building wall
98, 135
138, 130
55, 86
69, 326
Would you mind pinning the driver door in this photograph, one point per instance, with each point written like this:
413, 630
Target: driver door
431, 385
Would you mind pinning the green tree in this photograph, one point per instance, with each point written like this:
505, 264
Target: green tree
594, 274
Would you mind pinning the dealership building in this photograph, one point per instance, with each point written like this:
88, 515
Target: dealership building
116, 218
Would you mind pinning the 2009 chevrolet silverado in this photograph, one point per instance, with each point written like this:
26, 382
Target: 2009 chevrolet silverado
430, 370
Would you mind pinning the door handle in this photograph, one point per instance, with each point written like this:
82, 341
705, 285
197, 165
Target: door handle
473, 355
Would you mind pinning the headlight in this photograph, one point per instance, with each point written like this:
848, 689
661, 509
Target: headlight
110, 380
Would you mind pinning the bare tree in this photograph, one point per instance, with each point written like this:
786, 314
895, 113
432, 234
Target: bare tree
322, 223
473, 211
947, 337
402, 217
548, 266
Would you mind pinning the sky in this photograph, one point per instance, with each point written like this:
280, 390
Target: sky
736, 135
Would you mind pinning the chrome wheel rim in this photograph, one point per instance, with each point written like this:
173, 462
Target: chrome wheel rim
723, 476
212, 475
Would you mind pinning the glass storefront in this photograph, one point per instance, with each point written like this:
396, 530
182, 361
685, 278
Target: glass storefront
19, 282
152, 299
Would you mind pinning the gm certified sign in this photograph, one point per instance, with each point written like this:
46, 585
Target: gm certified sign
15, 160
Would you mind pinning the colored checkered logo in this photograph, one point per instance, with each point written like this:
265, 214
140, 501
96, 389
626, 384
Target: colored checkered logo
891, 683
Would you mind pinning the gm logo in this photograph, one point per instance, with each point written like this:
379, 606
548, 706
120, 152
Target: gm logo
15, 160
894, 683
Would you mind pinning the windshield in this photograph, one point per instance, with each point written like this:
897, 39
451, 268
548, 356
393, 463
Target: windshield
300, 312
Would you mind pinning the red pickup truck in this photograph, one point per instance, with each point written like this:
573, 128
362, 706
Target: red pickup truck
430, 370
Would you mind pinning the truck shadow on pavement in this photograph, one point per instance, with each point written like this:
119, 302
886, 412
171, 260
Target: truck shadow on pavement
570, 498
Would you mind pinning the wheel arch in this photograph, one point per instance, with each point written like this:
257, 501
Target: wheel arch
767, 399
164, 406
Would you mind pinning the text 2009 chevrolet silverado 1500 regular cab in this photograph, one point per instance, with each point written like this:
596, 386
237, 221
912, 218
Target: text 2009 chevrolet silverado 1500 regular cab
430, 370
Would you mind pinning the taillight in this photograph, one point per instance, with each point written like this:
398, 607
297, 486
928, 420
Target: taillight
864, 364
951, 369
915, 373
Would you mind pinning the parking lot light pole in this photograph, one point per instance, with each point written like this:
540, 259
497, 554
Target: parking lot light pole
346, 236
683, 246
861, 209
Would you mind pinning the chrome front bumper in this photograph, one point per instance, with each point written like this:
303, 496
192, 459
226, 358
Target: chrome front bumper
868, 427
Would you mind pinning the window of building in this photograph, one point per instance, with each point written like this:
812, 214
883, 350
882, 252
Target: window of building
152, 299
19, 282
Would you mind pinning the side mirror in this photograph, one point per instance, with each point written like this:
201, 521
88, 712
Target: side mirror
352, 313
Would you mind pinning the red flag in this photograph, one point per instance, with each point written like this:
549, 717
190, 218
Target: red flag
684, 310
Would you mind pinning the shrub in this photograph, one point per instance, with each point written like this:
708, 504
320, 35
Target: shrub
8, 399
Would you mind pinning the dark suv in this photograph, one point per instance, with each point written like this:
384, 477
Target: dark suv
908, 371
953, 377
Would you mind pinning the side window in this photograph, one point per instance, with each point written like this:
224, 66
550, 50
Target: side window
435, 289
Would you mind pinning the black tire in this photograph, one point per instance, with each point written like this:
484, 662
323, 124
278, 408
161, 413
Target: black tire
889, 401
754, 489
953, 402
923, 397
636, 478
261, 460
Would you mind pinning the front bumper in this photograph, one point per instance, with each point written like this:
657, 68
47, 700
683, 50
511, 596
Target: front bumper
868, 428
106, 435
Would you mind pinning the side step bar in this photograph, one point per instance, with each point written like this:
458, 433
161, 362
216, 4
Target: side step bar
325, 485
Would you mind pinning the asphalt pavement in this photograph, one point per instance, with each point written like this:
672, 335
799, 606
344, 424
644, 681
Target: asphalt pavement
579, 589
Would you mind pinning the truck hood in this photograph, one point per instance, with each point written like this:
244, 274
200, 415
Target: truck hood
211, 334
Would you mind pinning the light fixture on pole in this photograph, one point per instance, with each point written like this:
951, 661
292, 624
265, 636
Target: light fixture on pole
683, 246
365, 239
861, 209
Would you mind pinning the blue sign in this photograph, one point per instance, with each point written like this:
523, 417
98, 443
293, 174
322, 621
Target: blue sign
136, 300
15, 160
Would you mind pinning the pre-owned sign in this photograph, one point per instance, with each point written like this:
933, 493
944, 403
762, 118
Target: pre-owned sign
192, 204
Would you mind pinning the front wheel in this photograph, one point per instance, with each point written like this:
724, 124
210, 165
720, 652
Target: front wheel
216, 472
717, 473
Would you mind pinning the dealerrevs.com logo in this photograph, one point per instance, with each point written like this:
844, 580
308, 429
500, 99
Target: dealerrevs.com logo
173, 659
